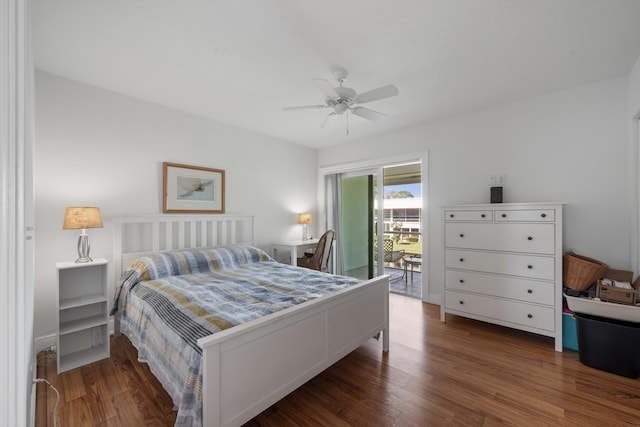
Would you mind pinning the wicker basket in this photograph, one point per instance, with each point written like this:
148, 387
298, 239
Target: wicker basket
581, 272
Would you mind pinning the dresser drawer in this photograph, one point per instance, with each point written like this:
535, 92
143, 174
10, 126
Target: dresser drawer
541, 215
479, 215
526, 238
531, 266
498, 309
501, 286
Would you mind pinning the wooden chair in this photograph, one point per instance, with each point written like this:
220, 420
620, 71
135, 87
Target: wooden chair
320, 258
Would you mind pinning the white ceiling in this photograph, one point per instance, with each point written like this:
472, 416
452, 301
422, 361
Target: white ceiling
240, 61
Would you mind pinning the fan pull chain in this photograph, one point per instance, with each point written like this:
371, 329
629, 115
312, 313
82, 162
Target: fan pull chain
347, 122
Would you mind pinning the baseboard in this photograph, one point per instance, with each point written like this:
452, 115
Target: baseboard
44, 343
435, 299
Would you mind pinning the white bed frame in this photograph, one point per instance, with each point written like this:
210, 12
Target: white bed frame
250, 367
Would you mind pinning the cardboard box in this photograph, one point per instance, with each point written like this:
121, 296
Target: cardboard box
616, 294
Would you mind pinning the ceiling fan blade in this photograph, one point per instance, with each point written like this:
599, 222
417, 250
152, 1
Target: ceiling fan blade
376, 94
325, 87
326, 119
304, 107
368, 114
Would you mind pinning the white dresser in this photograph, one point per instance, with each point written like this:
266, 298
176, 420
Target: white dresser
503, 264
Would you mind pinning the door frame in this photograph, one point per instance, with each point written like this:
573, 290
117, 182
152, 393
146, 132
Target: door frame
380, 163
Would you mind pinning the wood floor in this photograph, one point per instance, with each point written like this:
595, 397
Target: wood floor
464, 373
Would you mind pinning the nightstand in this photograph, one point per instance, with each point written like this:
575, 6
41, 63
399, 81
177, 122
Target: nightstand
83, 313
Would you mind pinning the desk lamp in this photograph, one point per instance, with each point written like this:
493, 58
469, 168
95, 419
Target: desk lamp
305, 219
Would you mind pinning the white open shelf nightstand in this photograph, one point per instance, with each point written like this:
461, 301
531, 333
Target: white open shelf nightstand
83, 313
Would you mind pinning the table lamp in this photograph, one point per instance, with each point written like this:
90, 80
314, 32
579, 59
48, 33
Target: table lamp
305, 219
82, 218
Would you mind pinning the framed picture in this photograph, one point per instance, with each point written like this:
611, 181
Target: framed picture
192, 189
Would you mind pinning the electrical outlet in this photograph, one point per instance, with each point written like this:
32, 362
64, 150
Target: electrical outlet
501, 180
492, 180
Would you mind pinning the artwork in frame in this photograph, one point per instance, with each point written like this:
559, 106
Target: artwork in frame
192, 189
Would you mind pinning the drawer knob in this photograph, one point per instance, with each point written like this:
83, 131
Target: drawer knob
451, 215
461, 280
461, 259
461, 302
483, 216
530, 316
504, 215
529, 291
530, 267
461, 235
544, 215
530, 238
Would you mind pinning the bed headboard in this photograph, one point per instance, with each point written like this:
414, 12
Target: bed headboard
135, 236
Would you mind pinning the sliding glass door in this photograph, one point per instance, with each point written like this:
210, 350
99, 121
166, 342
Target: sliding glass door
378, 210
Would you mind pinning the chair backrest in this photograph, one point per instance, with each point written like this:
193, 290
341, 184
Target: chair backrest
326, 250
320, 257
391, 255
387, 246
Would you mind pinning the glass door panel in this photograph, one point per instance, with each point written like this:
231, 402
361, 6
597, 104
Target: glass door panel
357, 225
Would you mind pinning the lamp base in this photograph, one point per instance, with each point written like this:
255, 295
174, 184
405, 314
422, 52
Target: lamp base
83, 248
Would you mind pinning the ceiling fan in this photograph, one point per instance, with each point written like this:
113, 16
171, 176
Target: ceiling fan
343, 99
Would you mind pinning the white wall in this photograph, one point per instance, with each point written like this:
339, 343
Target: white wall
569, 146
99, 148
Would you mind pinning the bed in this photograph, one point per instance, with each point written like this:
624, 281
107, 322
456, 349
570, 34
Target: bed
309, 322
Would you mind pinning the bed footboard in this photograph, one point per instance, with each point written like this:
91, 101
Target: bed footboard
249, 367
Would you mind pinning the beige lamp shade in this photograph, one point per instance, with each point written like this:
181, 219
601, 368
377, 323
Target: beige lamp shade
81, 218
304, 218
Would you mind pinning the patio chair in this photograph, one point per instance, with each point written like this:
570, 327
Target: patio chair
391, 255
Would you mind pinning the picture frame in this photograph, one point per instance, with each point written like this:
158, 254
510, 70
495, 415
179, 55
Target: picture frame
192, 189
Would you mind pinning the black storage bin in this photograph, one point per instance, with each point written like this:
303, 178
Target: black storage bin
609, 345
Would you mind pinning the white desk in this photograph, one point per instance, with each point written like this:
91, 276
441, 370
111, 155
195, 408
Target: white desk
294, 247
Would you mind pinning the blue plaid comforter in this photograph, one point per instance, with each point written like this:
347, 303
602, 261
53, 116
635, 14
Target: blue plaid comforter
168, 300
